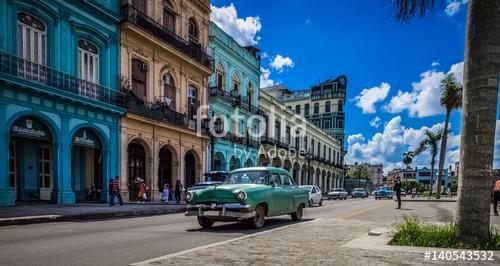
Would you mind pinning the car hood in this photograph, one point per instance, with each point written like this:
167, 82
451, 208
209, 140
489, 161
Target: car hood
223, 193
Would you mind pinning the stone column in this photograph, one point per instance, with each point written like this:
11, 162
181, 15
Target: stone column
62, 191
6, 194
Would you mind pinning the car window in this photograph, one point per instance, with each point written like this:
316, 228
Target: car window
313, 190
276, 179
286, 180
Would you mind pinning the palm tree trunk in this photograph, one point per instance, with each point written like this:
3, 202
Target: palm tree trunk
442, 155
433, 162
481, 72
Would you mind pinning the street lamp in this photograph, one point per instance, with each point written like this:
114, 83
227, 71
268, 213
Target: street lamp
308, 159
212, 142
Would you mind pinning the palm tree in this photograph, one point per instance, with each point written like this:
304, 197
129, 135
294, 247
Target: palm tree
431, 142
480, 95
451, 99
407, 159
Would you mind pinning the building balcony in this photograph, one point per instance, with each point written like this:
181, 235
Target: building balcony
235, 100
27, 73
274, 142
143, 21
233, 138
159, 112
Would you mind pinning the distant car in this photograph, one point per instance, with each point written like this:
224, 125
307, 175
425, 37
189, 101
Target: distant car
383, 192
358, 193
315, 195
213, 178
337, 193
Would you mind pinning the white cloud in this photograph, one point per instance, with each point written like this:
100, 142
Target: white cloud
264, 55
454, 6
435, 63
375, 122
388, 146
244, 31
367, 99
423, 100
308, 22
265, 80
279, 63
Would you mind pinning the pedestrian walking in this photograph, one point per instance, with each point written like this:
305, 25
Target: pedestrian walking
178, 191
115, 191
413, 192
397, 189
165, 193
141, 194
496, 196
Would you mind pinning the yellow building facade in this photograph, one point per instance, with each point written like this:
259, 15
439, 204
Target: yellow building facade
165, 65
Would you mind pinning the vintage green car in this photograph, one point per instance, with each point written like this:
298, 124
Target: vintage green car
248, 195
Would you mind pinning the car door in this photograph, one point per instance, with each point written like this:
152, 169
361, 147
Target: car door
279, 200
319, 194
289, 188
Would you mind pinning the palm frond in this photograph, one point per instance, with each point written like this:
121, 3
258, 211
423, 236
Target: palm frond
451, 92
406, 9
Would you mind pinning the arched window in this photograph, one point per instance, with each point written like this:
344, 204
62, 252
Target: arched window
32, 38
192, 100
139, 77
235, 92
169, 91
88, 65
193, 31
220, 77
249, 93
168, 16
328, 107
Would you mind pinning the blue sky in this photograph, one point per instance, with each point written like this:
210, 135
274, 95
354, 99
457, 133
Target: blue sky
393, 69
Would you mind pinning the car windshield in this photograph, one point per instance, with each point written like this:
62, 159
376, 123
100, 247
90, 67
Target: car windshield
248, 177
216, 177
358, 189
337, 189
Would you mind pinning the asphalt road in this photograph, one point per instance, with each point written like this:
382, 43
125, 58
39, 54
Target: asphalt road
125, 241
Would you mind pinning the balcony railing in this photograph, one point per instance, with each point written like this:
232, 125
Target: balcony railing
158, 112
274, 142
54, 79
148, 24
249, 142
234, 100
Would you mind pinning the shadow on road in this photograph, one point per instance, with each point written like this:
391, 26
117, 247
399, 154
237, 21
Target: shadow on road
231, 227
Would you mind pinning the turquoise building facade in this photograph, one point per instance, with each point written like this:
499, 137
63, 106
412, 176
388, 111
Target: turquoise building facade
59, 104
233, 101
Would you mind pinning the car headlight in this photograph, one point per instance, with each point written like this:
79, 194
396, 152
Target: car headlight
241, 195
189, 196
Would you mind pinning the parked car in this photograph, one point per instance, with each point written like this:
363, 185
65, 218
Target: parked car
315, 195
213, 178
248, 195
337, 193
358, 193
383, 192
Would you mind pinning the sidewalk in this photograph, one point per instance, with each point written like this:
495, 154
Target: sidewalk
28, 213
320, 242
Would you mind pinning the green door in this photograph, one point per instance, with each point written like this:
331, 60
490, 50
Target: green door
278, 203
289, 190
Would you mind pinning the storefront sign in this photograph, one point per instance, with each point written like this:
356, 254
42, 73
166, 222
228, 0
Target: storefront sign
30, 128
87, 138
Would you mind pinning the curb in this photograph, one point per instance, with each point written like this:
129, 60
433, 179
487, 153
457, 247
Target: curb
84, 217
430, 200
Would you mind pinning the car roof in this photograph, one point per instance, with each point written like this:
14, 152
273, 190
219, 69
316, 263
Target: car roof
260, 168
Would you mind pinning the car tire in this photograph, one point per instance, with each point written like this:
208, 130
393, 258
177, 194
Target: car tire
205, 223
259, 219
321, 202
297, 216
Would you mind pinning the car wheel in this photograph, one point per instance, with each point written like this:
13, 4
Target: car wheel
259, 219
205, 223
321, 202
297, 216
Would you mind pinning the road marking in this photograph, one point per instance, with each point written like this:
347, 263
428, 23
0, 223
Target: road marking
358, 211
157, 260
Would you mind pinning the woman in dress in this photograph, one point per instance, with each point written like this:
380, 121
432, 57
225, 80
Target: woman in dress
165, 193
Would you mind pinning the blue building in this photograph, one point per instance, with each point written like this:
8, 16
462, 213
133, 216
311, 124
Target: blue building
59, 105
234, 91
423, 175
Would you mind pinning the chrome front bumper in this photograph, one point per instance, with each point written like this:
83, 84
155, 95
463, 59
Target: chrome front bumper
228, 210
